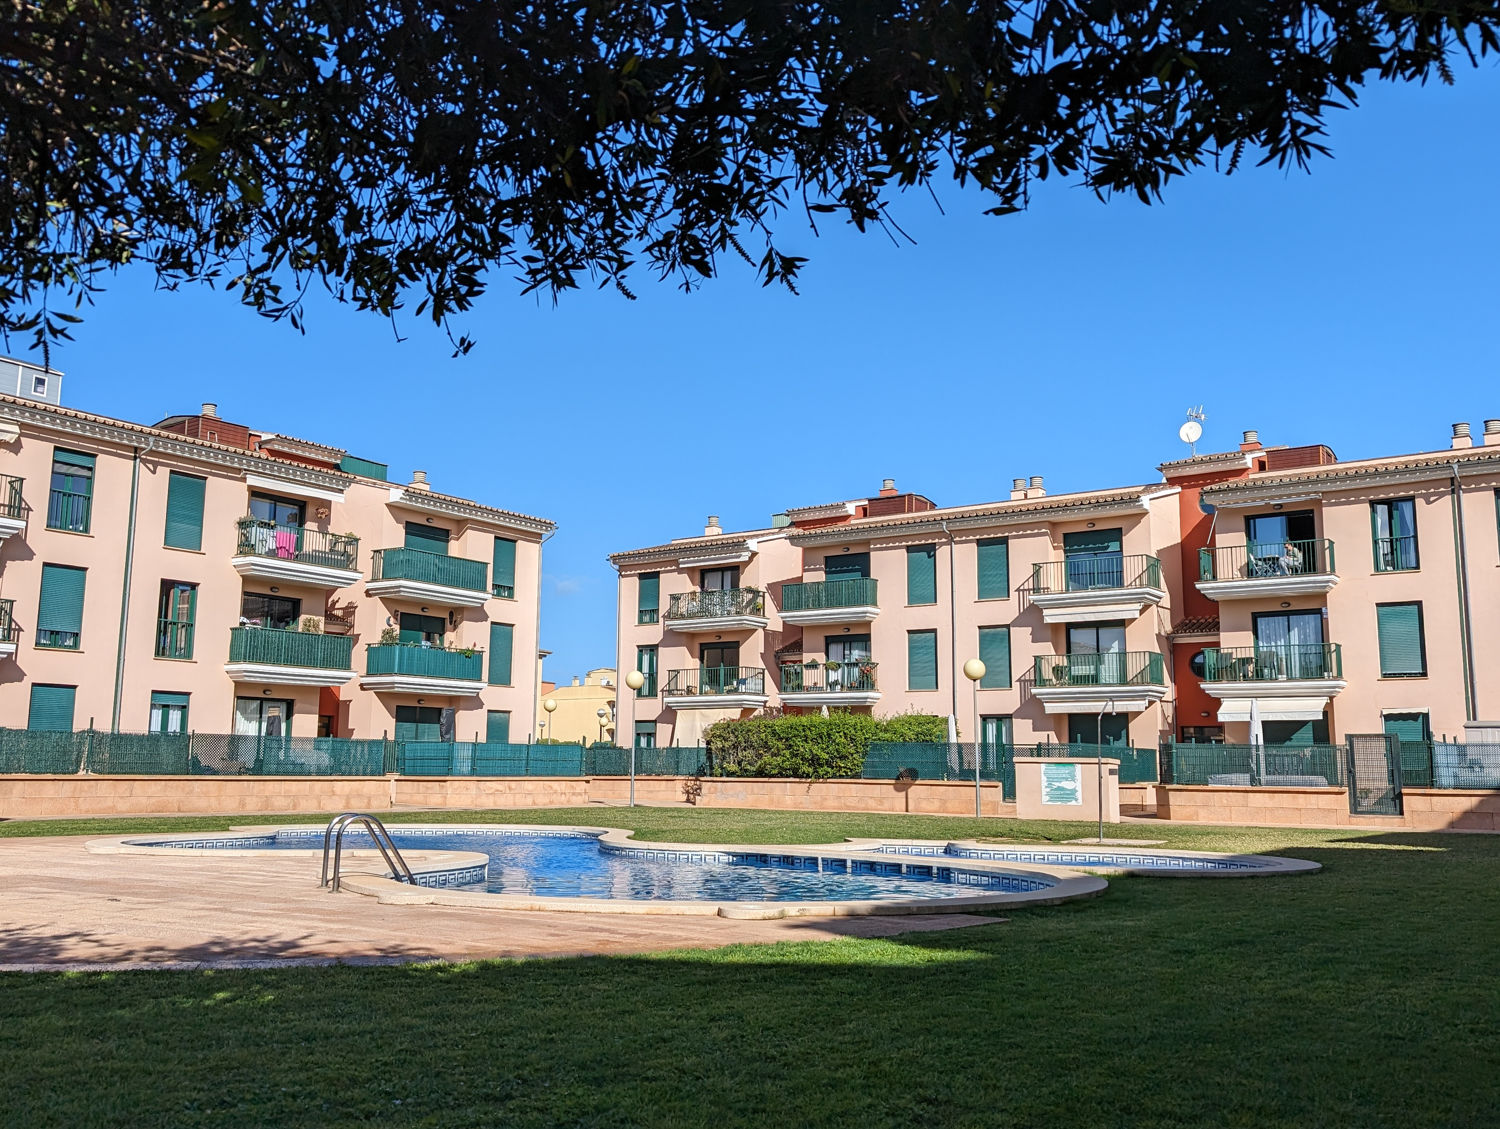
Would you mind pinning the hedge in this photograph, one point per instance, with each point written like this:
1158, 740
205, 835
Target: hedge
810, 746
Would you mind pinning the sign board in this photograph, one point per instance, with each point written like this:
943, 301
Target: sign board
1062, 784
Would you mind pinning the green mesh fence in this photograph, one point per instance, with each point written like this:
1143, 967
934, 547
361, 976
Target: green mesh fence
40, 751
487, 758
146, 754
1254, 766
613, 760
1137, 766
929, 761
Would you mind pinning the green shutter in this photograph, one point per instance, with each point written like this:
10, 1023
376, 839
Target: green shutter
427, 538
921, 574
921, 660
184, 511
51, 707
503, 575
502, 642
649, 599
1400, 629
419, 723
72, 458
497, 727
847, 566
1406, 726
1091, 541
994, 569
60, 607
994, 652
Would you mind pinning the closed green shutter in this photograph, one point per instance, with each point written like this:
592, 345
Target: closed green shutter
921, 574
417, 628
1400, 629
921, 660
51, 707
1406, 726
994, 652
502, 641
59, 617
497, 727
184, 511
72, 458
648, 602
847, 566
1091, 541
994, 569
419, 723
503, 575
427, 538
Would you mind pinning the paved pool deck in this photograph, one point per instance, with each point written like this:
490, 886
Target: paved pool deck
64, 908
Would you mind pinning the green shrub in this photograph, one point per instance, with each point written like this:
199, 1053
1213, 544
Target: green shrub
810, 746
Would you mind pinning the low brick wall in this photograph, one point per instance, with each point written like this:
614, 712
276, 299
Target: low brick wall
1137, 799
480, 792
41, 797
1425, 809
925, 797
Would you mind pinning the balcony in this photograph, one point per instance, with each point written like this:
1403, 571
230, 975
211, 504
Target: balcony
289, 658
1255, 571
415, 668
1288, 681
830, 601
733, 609
715, 687
295, 554
829, 684
12, 506
10, 634
1115, 682
411, 574
1096, 589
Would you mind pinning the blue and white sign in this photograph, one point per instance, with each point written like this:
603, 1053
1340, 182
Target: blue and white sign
1062, 784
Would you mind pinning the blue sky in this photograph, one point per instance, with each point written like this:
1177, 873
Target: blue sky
1355, 307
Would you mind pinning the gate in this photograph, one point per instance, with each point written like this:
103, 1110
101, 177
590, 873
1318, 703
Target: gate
1374, 774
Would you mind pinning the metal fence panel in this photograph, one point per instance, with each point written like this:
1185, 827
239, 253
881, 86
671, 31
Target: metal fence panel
1256, 766
1464, 766
40, 751
670, 760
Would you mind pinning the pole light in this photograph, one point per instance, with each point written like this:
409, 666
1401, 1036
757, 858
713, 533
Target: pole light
550, 705
635, 680
974, 671
601, 713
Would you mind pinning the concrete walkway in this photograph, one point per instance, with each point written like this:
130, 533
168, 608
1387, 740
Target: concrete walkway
64, 908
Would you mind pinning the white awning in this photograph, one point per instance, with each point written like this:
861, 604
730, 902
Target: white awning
1274, 709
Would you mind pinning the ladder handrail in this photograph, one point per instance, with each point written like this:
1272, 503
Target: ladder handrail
334, 834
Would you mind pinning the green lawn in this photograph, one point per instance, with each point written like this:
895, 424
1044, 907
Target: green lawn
1366, 995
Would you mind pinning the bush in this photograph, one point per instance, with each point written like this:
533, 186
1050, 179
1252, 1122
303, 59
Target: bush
810, 746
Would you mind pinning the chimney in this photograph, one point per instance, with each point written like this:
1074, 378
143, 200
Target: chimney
575, 680
712, 528
888, 488
1491, 432
1017, 489
1036, 489
1461, 437
210, 410
418, 481
1250, 441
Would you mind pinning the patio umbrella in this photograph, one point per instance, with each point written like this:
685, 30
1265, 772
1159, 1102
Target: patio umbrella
1257, 739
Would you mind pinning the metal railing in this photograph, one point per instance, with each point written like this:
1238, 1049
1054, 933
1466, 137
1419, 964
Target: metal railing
1116, 668
174, 638
829, 678
276, 647
1253, 766
298, 543
716, 604
1275, 663
465, 664
68, 509
1396, 554
11, 502
382, 838
429, 568
818, 595
715, 680
1264, 561
60, 640
10, 632
648, 615
1082, 574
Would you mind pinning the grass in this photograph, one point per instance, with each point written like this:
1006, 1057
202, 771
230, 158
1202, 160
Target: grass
1360, 996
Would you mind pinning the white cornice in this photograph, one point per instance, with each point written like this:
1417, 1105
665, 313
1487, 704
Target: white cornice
285, 482
448, 506
1434, 468
933, 523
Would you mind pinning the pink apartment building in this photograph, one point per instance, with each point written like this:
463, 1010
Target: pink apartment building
1338, 597
199, 574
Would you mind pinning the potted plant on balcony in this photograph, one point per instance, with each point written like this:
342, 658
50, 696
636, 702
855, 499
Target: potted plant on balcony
389, 637
832, 665
310, 625
1060, 672
867, 668
811, 664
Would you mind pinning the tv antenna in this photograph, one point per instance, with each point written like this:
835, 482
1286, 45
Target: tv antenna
1191, 431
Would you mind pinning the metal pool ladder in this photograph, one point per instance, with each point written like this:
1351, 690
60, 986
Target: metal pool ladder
333, 839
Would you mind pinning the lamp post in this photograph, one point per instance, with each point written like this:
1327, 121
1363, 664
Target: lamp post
635, 680
550, 705
601, 713
1099, 762
974, 671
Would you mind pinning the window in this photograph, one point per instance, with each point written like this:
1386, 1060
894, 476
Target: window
325, 725
1408, 727
1393, 525
1198, 664
1296, 733
59, 618
259, 610
921, 660
645, 662
1202, 735
645, 735
71, 502
995, 730
503, 572
1290, 645
921, 574
847, 566
174, 619
184, 511
1098, 729
994, 652
262, 717
1402, 651
648, 597
275, 510
425, 629
169, 712
1094, 559
502, 643
497, 727
719, 579
422, 723
51, 707
38, 385
994, 568
426, 538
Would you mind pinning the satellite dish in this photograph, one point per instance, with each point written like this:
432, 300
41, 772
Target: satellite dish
1190, 432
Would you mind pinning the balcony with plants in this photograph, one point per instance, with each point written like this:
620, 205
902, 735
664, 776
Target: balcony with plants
284, 657
422, 667
1262, 571
828, 682
1096, 588
414, 574
295, 554
715, 687
1110, 681
849, 600
729, 609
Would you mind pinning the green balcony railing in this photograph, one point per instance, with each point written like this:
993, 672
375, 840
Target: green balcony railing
1084, 574
298, 543
1116, 668
275, 647
174, 638
819, 595
70, 510
1273, 663
717, 604
715, 680
821, 677
466, 665
9, 632
430, 568
11, 503
1395, 554
1266, 561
